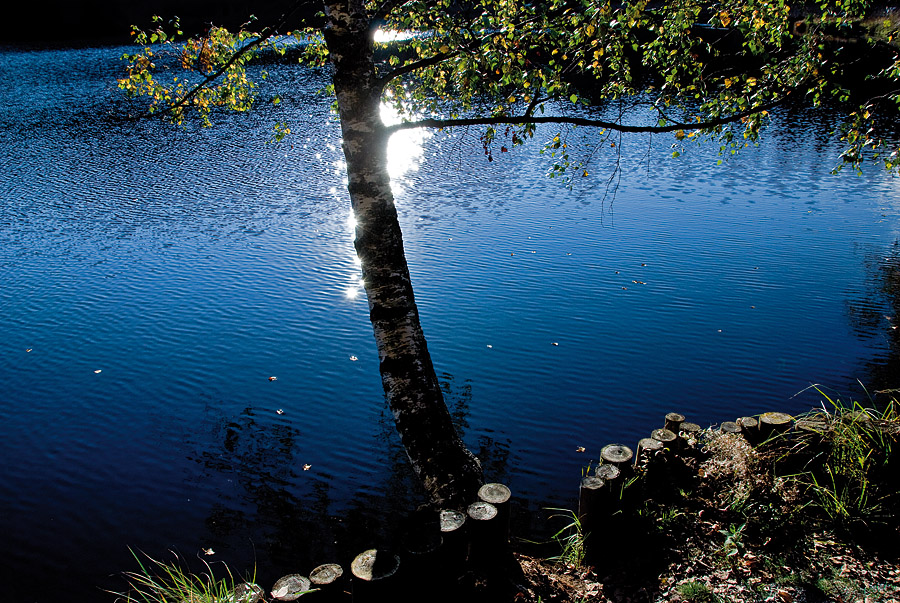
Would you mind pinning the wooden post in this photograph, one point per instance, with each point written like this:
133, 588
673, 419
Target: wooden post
617, 454
773, 423
498, 495
687, 432
607, 472
486, 545
455, 543
674, 421
668, 438
374, 576
247, 591
749, 428
328, 578
593, 508
729, 427
690, 429
290, 587
646, 448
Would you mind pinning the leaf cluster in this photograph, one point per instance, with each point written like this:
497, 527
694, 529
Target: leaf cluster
699, 69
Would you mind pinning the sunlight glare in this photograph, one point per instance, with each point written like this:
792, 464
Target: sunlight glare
405, 148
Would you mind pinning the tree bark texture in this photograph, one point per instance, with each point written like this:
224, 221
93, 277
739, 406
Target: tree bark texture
449, 472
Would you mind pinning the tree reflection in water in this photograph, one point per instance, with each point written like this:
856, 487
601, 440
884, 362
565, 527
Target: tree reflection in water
271, 515
875, 316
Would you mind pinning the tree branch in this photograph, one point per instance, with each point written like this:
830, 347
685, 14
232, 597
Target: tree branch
420, 64
580, 121
266, 33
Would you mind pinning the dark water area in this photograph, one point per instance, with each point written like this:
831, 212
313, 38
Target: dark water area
152, 280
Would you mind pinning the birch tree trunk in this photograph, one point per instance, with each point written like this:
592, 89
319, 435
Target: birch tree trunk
449, 472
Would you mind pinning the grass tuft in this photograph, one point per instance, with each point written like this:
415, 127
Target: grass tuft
164, 582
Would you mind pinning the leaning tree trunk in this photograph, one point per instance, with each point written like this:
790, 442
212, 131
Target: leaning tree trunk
449, 472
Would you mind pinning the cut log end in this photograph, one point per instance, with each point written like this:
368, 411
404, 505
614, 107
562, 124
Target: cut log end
494, 493
325, 574
674, 421
777, 420
616, 454
374, 565
607, 472
690, 429
482, 511
290, 587
729, 427
451, 520
592, 482
664, 436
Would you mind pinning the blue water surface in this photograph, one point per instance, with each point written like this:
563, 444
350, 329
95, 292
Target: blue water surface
153, 280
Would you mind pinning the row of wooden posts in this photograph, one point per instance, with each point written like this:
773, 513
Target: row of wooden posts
440, 550
603, 494
434, 552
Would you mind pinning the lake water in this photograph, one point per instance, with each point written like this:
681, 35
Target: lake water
152, 280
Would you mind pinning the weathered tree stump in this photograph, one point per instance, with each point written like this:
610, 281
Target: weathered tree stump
772, 424
674, 421
328, 579
486, 543
646, 449
620, 456
593, 509
749, 429
668, 438
729, 427
498, 495
455, 543
856, 416
814, 424
690, 429
291, 587
689, 432
247, 592
607, 472
374, 576
617, 454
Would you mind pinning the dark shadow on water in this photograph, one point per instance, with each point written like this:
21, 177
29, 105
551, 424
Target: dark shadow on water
270, 518
874, 315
